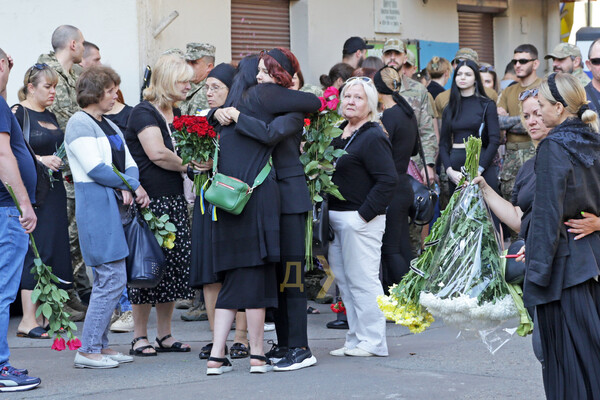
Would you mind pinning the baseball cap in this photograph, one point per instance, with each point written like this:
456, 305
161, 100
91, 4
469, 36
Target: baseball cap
394, 44
564, 50
353, 44
195, 51
410, 58
466, 54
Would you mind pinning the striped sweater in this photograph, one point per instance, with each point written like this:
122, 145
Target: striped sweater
101, 235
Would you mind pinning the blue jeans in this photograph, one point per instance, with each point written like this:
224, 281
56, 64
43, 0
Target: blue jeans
124, 303
13, 247
109, 281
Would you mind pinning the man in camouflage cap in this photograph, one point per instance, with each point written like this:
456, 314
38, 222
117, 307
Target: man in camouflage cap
566, 57
201, 56
394, 53
67, 42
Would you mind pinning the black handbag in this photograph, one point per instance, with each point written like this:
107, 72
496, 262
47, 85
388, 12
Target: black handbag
43, 178
514, 272
322, 231
146, 261
423, 208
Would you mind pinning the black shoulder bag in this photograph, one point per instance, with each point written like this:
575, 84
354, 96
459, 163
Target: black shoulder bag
423, 207
43, 178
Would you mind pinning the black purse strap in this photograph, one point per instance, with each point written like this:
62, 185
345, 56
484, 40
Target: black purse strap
26, 124
482, 125
422, 156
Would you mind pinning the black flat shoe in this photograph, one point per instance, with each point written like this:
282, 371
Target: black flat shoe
337, 324
140, 350
205, 351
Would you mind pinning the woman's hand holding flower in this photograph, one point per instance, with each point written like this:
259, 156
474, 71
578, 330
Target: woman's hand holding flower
142, 197
52, 162
127, 197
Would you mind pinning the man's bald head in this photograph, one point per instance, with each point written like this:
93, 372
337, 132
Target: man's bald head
63, 35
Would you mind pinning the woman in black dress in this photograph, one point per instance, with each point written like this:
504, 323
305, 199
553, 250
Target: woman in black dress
51, 235
401, 125
246, 246
469, 113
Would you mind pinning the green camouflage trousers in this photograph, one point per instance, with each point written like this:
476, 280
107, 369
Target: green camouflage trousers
516, 155
81, 281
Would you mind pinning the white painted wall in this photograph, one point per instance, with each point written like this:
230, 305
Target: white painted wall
27, 27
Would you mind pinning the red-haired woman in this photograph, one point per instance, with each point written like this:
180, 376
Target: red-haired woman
247, 246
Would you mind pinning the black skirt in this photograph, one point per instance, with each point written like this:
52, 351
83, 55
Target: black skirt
51, 238
570, 338
249, 287
202, 271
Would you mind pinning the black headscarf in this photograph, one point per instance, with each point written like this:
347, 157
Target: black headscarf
223, 72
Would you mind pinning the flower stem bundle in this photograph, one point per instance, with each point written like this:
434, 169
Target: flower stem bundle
50, 297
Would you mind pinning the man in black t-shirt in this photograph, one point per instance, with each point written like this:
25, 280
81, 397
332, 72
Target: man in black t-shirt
17, 169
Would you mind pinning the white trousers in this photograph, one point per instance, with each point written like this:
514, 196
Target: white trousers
354, 257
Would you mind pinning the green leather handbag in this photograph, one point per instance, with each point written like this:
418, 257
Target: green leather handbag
231, 194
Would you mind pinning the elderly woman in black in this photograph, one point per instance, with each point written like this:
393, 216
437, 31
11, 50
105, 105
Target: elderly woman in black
561, 276
401, 125
366, 177
246, 246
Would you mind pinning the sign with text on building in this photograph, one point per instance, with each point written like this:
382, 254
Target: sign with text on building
387, 16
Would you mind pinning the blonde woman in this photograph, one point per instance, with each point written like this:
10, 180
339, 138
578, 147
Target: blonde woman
561, 275
149, 139
52, 236
366, 177
439, 69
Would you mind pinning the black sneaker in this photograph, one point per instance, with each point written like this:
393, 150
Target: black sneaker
276, 353
296, 358
13, 380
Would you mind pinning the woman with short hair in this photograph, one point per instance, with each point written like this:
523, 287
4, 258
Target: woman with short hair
439, 70
51, 235
93, 144
149, 138
366, 177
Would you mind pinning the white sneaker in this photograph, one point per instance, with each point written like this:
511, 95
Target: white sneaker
269, 326
358, 352
339, 352
124, 323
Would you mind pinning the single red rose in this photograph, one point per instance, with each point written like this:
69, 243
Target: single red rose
323, 104
212, 134
330, 93
59, 344
177, 124
74, 344
306, 121
333, 104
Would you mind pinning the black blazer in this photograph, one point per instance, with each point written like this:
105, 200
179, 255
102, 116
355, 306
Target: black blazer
564, 188
286, 133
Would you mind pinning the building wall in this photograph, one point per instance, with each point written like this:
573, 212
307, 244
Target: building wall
110, 24
526, 21
318, 28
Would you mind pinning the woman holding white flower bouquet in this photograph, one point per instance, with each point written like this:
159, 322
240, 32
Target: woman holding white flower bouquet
93, 144
366, 178
52, 236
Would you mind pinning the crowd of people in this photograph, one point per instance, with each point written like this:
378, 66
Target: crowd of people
539, 174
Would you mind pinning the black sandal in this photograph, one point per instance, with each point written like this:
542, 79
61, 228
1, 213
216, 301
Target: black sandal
140, 350
176, 347
205, 351
239, 350
225, 366
260, 369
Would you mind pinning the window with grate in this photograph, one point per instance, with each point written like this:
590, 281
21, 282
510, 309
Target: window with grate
258, 25
476, 31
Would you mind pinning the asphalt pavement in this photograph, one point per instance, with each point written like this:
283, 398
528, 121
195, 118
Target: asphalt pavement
432, 365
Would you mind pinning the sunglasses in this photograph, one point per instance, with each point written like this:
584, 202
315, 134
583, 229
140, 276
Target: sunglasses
39, 67
487, 69
362, 78
522, 61
525, 94
595, 61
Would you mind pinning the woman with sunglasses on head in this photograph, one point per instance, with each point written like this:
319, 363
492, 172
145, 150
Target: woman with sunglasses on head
247, 246
44, 135
401, 125
488, 76
561, 278
469, 113
366, 177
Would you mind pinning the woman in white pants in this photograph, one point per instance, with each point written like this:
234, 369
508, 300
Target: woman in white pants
366, 177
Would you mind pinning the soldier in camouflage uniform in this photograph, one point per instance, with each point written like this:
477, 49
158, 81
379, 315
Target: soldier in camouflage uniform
67, 42
201, 56
567, 58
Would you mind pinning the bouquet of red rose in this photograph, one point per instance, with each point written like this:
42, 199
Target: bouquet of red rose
196, 140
